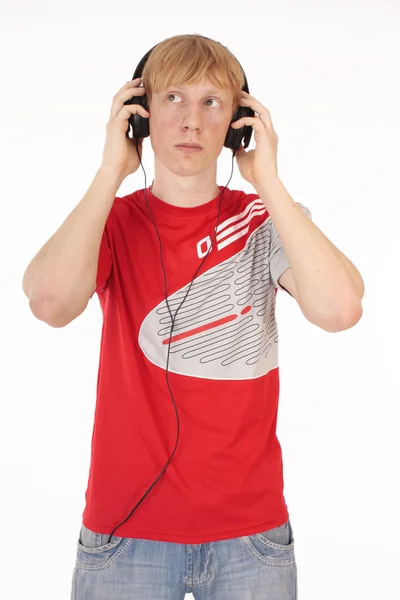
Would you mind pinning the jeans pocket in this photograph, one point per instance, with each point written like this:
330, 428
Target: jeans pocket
94, 551
274, 546
281, 536
93, 542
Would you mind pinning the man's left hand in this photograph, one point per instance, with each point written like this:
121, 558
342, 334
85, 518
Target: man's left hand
259, 165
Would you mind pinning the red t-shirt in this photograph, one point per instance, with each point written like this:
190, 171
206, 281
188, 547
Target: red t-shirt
226, 478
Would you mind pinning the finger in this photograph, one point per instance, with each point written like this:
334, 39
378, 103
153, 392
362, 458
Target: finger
127, 110
130, 93
121, 97
133, 109
263, 112
132, 82
129, 84
253, 121
266, 119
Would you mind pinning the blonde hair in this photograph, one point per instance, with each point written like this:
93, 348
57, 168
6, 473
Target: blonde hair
187, 59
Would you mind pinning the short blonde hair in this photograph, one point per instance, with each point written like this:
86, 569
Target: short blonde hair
190, 58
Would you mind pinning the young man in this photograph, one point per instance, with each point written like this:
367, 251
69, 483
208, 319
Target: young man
216, 524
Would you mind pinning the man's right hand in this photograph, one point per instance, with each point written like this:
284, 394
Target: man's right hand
120, 152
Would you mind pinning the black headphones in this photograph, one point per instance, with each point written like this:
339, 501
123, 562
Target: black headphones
140, 125
140, 128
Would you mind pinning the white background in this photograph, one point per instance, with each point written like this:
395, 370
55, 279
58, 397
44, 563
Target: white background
328, 72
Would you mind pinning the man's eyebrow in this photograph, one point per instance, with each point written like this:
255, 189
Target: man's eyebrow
208, 91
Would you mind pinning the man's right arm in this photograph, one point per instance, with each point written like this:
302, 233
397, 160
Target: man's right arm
61, 277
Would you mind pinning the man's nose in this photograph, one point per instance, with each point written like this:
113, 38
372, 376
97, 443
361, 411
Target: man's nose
192, 118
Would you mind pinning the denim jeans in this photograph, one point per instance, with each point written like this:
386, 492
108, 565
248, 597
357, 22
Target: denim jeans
261, 566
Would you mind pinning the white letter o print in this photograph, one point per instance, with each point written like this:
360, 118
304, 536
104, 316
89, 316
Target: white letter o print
206, 240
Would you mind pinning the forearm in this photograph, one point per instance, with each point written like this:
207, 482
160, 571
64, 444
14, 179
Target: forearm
355, 275
326, 281
64, 270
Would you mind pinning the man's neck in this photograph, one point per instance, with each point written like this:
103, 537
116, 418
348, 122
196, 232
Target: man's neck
178, 196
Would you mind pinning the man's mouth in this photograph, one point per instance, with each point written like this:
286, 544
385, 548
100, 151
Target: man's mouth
189, 148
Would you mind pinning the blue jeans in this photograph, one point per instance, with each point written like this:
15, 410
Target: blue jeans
261, 566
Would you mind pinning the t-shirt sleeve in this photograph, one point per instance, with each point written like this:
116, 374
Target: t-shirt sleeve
104, 263
278, 260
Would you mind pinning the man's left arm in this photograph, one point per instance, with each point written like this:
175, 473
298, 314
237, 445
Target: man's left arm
325, 283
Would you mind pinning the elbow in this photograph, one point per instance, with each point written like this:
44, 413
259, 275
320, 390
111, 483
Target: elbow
339, 320
351, 317
57, 316
43, 310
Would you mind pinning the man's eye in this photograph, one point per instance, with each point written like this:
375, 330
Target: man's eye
214, 100
169, 95
176, 95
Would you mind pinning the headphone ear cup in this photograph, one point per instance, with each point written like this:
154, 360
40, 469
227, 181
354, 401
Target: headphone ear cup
140, 125
234, 137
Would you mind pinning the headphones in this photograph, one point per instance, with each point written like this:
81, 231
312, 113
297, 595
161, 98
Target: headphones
141, 129
140, 125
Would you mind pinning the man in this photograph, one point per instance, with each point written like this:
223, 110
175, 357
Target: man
216, 523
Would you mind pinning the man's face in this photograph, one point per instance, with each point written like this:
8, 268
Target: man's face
200, 113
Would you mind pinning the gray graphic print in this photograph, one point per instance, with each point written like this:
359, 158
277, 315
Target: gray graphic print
226, 327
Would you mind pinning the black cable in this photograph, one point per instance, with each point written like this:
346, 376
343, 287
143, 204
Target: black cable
172, 322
